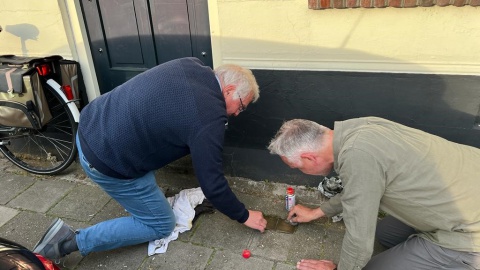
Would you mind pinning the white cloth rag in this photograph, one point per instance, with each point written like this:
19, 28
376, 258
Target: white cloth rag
183, 205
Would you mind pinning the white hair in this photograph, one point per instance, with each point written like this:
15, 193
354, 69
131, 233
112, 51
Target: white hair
296, 137
242, 78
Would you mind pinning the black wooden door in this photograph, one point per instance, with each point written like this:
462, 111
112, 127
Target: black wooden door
128, 37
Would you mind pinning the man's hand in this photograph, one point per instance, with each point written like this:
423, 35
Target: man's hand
316, 265
300, 213
256, 221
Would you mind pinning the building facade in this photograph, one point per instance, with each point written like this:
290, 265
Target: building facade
417, 63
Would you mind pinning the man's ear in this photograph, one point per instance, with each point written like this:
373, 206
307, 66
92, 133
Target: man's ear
229, 89
309, 156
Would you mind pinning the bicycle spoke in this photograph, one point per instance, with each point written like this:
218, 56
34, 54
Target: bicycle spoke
56, 143
48, 150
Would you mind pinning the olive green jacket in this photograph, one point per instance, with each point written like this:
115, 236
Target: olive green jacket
425, 181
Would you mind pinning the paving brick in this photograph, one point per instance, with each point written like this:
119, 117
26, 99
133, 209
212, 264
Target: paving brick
26, 228
180, 256
110, 211
82, 203
118, 259
42, 195
6, 214
312, 240
227, 260
229, 235
272, 245
283, 266
215, 241
12, 185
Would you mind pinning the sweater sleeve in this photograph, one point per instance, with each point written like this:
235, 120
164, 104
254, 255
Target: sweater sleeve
333, 206
206, 151
363, 189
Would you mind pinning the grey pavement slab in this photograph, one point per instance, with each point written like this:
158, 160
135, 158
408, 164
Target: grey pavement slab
81, 203
29, 203
313, 240
283, 266
12, 185
26, 228
42, 195
6, 214
272, 245
180, 256
226, 260
268, 205
123, 258
221, 232
110, 211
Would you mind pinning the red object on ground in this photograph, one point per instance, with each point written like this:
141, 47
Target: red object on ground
246, 253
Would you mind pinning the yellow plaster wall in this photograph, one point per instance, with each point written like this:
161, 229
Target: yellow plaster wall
47, 27
277, 34
32, 28
272, 34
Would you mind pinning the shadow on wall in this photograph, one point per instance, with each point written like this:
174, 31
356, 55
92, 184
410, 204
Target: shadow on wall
24, 32
445, 105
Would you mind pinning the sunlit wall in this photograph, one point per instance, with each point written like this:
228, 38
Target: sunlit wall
32, 28
287, 35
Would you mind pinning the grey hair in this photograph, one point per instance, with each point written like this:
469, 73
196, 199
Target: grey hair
242, 78
296, 137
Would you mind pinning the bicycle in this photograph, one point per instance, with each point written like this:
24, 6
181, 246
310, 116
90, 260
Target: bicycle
47, 148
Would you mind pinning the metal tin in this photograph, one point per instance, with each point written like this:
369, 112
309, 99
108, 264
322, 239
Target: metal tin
290, 198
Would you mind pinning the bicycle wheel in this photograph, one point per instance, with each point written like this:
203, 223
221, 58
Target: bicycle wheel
46, 151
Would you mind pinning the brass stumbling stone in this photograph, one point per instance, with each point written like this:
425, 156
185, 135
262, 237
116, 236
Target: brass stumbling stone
282, 225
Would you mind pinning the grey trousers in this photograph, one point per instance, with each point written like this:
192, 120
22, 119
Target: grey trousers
415, 253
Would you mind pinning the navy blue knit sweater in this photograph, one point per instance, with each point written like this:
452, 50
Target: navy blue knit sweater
157, 117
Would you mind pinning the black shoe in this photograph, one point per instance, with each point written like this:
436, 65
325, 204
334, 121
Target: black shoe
206, 207
51, 244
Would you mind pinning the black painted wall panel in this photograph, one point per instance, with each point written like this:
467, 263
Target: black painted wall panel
445, 105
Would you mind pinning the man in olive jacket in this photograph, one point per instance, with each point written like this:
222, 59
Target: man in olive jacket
430, 188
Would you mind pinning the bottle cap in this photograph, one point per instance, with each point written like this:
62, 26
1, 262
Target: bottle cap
290, 191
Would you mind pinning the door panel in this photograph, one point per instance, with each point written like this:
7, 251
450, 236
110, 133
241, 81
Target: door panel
128, 37
123, 33
171, 29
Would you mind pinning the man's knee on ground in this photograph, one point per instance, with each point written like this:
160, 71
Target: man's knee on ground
165, 227
391, 232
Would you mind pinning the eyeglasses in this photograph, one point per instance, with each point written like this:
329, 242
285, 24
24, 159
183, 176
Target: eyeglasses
242, 107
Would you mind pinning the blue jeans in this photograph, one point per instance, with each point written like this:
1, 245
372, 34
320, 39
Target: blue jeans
151, 214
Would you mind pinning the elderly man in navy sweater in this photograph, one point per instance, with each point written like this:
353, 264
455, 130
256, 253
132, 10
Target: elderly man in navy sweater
172, 110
